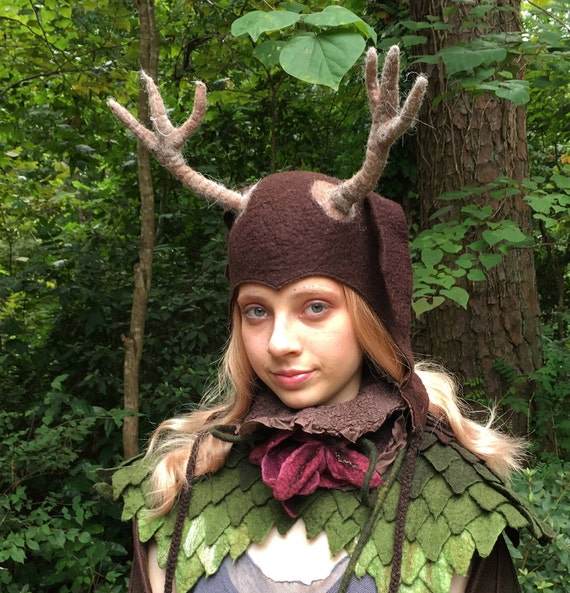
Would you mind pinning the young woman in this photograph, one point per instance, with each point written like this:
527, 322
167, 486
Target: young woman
328, 461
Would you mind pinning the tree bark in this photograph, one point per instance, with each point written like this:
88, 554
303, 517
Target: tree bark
133, 343
472, 140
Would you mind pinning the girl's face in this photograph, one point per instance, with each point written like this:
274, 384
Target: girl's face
300, 341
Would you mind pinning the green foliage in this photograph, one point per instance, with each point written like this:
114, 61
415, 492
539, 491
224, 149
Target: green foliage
52, 538
328, 44
467, 242
551, 417
546, 487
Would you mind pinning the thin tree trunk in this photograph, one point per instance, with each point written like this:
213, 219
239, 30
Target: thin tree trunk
133, 342
472, 140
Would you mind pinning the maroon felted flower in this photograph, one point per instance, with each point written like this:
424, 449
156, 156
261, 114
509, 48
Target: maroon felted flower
296, 463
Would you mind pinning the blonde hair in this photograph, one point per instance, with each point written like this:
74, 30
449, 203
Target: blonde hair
172, 441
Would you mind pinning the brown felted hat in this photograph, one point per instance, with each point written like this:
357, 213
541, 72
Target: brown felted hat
285, 235
297, 224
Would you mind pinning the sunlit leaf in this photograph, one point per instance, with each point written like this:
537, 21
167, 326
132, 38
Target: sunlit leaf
322, 59
258, 22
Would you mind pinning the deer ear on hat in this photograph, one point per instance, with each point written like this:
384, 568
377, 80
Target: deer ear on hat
229, 218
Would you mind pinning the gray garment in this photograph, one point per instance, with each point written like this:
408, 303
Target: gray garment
244, 576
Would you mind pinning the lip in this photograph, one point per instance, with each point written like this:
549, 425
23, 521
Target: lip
292, 378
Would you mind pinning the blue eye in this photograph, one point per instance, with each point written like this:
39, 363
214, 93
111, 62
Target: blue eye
316, 308
255, 312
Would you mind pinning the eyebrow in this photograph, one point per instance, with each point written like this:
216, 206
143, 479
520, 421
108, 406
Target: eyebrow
302, 291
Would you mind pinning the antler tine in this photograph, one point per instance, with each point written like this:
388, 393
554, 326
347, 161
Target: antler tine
386, 127
130, 122
166, 143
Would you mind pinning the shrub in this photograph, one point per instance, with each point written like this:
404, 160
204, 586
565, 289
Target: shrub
547, 488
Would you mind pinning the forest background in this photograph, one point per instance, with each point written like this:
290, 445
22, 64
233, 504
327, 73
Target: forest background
112, 281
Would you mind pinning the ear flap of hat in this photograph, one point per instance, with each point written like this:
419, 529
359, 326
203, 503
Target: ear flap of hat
395, 263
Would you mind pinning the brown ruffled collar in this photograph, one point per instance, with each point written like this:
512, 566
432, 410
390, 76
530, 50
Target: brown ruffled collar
377, 401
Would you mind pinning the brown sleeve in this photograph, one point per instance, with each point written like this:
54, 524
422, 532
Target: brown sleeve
494, 574
139, 581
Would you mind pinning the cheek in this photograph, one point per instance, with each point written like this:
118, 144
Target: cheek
253, 345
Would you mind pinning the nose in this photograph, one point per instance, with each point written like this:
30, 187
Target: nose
284, 338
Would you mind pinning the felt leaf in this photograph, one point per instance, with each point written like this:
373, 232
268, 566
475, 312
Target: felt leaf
470, 457
194, 537
413, 561
423, 472
383, 540
367, 555
238, 503
436, 494
346, 505
432, 536
259, 522
437, 577
513, 517
215, 521
228, 483
335, 537
459, 511
129, 475
460, 475
213, 556
249, 474
390, 506
486, 497
169, 522
105, 491
381, 575
418, 512
239, 541
322, 58
459, 552
188, 572
260, 493
316, 515
340, 533
485, 531
133, 502
147, 528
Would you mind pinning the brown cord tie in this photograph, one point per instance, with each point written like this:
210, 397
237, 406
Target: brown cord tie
184, 504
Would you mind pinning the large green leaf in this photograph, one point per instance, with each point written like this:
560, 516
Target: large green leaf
466, 58
258, 22
322, 59
268, 52
338, 16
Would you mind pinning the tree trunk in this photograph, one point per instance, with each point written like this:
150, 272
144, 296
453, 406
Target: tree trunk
472, 140
133, 343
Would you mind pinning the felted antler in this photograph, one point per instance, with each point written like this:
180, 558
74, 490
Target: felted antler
166, 143
387, 126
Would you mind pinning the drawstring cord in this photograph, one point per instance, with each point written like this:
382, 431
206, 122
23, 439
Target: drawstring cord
224, 432
380, 495
184, 504
409, 455
403, 503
